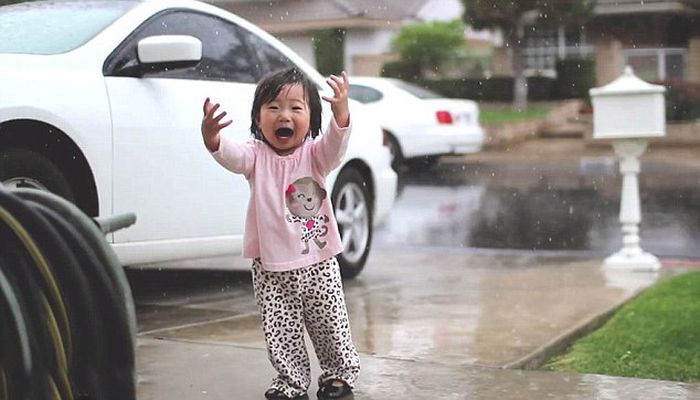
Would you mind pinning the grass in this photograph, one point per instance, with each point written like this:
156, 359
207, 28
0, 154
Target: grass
655, 336
495, 115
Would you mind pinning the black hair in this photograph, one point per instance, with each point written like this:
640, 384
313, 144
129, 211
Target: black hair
270, 86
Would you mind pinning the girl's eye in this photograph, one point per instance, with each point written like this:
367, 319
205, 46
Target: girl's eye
272, 107
296, 108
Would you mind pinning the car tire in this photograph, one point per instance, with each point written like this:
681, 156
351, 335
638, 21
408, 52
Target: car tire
23, 168
352, 206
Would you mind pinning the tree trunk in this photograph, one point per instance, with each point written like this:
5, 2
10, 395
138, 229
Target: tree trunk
519, 81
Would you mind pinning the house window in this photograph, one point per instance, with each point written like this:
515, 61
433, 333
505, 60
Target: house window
657, 64
544, 44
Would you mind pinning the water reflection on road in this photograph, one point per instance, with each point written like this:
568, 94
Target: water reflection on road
541, 208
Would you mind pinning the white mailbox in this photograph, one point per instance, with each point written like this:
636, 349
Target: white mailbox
629, 112
628, 107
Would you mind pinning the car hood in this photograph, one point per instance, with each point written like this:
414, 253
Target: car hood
35, 66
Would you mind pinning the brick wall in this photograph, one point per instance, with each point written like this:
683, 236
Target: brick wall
693, 72
609, 61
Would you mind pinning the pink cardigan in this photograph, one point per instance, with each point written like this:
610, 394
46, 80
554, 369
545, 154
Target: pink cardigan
290, 222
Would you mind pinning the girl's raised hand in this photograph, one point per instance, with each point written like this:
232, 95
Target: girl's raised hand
339, 102
211, 124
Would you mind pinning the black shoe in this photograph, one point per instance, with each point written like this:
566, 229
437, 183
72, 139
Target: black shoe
274, 394
329, 391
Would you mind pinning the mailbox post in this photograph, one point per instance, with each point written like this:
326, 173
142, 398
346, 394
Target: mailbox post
629, 112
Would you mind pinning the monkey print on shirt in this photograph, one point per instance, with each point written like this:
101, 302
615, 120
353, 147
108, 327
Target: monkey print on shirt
304, 198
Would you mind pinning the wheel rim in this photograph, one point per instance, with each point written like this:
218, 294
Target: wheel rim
24, 182
353, 221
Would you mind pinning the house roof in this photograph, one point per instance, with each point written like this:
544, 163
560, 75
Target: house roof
301, 15
612, 7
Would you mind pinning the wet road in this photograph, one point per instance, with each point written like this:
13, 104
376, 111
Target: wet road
571, 208
464, 294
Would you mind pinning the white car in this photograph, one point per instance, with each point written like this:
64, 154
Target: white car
101, 102
419, 125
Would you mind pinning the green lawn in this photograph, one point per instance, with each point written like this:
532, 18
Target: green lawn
655, 336
490, 115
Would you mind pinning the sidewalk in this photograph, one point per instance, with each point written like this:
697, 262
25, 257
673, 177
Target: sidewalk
429, 324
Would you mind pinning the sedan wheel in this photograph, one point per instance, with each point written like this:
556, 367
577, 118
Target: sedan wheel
21, 168
352, 206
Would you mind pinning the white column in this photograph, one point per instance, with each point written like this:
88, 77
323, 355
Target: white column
631, 256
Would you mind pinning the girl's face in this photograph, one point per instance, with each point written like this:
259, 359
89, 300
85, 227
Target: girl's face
284, 121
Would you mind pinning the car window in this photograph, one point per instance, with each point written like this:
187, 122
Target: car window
224, 55
415, 90
364, 94
63, 28
271, 58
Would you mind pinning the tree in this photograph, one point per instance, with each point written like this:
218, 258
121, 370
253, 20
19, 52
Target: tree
329, 50
511, 17
428, 45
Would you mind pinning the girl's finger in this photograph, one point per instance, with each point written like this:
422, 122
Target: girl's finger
220, 116
333, 86
212, 111
342, 83
329, 99
337, 80
225, 124
206, 105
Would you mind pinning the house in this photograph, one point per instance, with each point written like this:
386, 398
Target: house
366, 27
660, 39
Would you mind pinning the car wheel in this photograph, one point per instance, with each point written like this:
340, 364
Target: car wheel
352, 206
22, 168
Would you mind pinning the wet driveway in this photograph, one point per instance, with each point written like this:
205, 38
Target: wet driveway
480, 267
565, 207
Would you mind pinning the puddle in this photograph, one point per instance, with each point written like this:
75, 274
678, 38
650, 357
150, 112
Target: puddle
563, 210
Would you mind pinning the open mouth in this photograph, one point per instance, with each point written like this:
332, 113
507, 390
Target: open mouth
284, 132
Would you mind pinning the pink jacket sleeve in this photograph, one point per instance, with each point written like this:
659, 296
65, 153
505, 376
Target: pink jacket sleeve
236, 157
329, 148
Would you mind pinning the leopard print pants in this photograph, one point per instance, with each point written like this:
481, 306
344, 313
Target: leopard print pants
311, 298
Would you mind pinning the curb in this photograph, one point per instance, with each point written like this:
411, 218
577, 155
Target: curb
562, 342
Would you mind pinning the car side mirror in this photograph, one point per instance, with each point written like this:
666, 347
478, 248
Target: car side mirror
164, 52
164, 49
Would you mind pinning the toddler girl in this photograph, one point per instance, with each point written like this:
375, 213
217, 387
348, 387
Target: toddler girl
291, 233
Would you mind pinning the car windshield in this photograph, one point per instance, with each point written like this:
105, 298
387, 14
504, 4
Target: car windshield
54, 27
415, 90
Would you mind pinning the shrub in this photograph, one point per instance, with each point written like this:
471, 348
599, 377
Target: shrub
428, 45
575, 76
328, 50
406, 70
491, 89
682, 100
